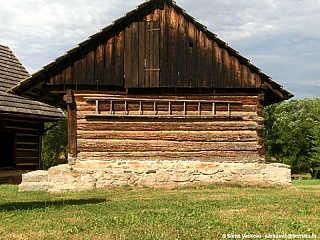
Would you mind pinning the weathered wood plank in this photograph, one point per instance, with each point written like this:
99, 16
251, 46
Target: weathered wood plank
154, 54
99, 64
191, 56
127, 58
201, 60
118, 59
90, 68
135, 54
168, 146
209, 62
163, 47
217, 156
143, 54
182, 47
76, 71
193, 136
172, 48
165, 126
218, 76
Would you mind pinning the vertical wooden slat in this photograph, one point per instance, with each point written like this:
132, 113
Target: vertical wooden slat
214, 109
172, 48
201, 60
90, 68
191, 59
68, 72
111, 107
76, 71
135, 55
118, 59
140, 108
225, 68
163, 47
237, 77
127, 58
244, 76
155, 54
97, 107
99, 64
144, 48
155, 108
182, 46
108, 69
218, 76
208, 61
126, 108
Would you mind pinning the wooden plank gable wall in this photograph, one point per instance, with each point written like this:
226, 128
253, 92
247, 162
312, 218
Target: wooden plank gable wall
157, 47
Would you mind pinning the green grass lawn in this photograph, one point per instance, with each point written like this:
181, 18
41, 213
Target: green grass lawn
198, 212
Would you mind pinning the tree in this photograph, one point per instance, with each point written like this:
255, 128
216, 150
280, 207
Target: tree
292, 134
54, 145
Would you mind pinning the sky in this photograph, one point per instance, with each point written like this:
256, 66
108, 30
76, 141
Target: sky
282, 38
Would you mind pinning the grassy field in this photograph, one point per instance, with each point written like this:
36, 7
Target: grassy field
198, 212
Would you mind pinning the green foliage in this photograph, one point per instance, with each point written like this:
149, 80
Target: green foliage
292, 134
55, 145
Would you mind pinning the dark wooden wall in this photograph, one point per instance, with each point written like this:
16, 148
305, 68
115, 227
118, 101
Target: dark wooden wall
26, 141
157, 47
172, 138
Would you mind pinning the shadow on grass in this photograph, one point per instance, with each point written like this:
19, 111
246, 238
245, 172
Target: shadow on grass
48, 204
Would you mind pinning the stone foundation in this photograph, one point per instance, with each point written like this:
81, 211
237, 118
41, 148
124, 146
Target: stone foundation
88, 175
12, 176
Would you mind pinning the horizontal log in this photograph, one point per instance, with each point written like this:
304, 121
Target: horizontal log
198, 136
163, 146
230, 156
165, 126
27, 154
247, 99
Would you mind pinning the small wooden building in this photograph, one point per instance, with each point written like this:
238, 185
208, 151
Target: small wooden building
158, 85
21, 120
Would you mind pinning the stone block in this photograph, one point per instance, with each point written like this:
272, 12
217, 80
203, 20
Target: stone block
36, 176
34, 186
181, 177
209, 171
249, 171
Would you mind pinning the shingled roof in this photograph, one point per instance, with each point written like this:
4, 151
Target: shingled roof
11, 73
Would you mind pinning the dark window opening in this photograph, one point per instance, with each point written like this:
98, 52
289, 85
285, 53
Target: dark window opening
7, 149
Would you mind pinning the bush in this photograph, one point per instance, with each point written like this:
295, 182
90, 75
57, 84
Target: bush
54, 145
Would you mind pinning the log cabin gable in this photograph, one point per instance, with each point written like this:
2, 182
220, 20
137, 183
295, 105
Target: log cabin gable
155, 46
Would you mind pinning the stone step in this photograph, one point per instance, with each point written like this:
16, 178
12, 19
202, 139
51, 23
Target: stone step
34, 186
36, 176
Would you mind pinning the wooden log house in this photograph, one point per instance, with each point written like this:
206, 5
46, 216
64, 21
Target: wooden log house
158, 85
21, 120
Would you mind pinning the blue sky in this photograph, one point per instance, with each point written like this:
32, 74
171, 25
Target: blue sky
282, 38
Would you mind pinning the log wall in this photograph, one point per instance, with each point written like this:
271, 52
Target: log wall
26, 134
126, 136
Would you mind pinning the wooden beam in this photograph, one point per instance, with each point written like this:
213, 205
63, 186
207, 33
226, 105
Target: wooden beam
72, 123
